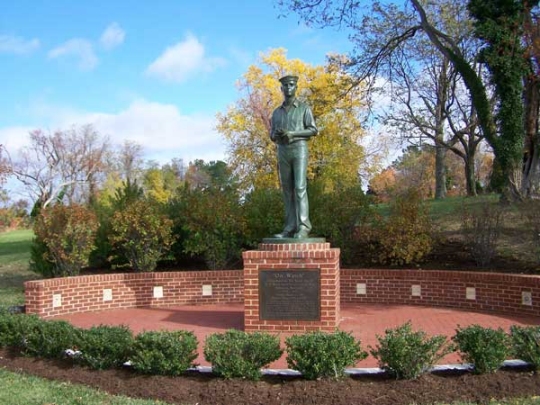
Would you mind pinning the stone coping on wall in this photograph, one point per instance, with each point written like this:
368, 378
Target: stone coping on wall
472, 291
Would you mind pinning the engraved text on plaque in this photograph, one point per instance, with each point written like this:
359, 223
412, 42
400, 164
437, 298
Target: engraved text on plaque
290, 295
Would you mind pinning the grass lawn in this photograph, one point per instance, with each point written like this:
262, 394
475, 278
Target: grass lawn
18, 389
14, 258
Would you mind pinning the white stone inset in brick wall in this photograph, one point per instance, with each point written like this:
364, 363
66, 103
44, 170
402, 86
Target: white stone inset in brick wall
107, 294
56, 300
526, 298
207, 290
158, 292
361, 289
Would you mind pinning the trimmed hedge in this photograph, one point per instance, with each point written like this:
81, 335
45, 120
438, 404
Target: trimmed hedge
237, 354
164, 352
406, 354
485, 348
402, 352
319, 354
526, 344
103, 347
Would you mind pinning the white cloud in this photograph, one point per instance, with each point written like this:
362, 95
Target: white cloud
79, 48
14, 138
18, 45
178, 62
112, 36
161, 129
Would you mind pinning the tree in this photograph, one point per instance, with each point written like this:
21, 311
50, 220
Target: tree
214, 226
531, 164
160, 182
421, 80
208, 216
63, 164
128, 161
429, 98
214, 174
12, 213
141, 233
414, 170
498, 23
125, 164
383, 184
335, 154
68, 234
5, 165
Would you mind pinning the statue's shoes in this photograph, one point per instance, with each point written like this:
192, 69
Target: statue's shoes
284, 234
302, 234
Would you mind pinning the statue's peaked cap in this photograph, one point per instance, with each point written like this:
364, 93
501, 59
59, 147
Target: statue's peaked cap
289, 78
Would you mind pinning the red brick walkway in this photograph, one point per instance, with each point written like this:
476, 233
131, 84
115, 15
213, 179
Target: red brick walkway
365, 321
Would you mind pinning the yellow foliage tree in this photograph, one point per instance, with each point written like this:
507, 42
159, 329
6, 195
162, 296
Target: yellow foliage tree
335, 154
155, 185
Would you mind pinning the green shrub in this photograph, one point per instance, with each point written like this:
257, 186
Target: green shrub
526, 344
141, 233
485, 348
164, 352
350, 210
34, 336
48, 339
481, 228
263, 211
405, 236
237, 354
319, 354
68, 234
407, 354
214, 226
529, 212
125, 195
101, 256
13, 328
104, 347
6, 329
39, 262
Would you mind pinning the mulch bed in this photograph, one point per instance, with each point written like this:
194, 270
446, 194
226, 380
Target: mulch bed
205, 389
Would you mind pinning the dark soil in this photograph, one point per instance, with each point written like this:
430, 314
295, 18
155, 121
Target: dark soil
205, 389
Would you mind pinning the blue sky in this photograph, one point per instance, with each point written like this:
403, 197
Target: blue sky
153, 72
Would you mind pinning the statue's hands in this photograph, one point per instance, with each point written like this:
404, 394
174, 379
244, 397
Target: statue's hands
287, 137
282, 136
278, 133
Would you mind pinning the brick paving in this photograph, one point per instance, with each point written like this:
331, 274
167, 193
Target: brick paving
364, 321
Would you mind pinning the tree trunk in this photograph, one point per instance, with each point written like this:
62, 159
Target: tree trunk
440, 172
440, 150
470, 175
531, 169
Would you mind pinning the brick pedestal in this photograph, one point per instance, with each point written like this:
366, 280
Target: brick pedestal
298, 263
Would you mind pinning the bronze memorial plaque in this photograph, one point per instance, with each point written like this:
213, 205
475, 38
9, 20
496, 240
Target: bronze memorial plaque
286, 295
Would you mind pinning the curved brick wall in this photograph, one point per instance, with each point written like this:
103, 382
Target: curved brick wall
69, 295
476, 291
491, 292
